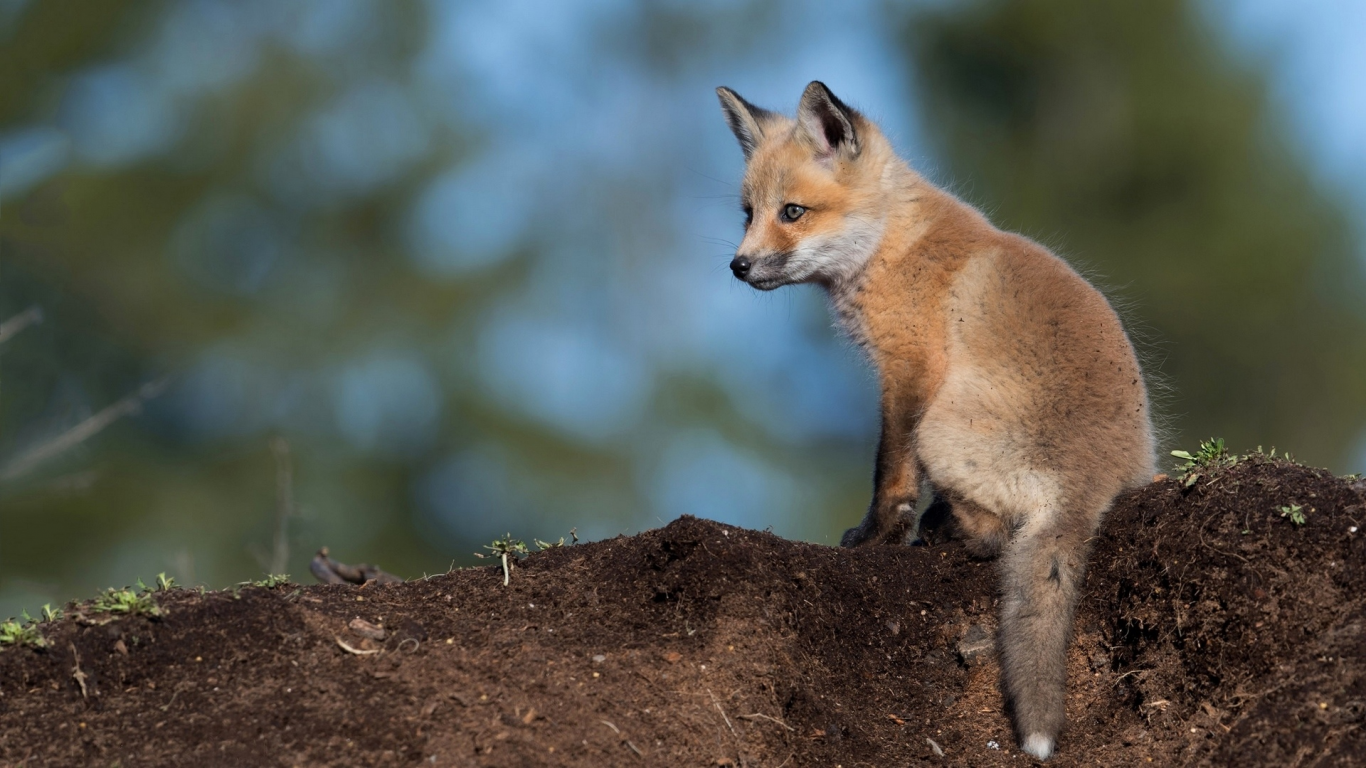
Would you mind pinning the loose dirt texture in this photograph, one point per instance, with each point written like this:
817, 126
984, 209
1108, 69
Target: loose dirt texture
1212, 631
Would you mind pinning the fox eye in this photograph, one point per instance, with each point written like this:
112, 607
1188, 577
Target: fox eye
749, 215
792, 212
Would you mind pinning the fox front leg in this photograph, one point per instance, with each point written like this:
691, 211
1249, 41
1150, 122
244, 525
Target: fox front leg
896, 482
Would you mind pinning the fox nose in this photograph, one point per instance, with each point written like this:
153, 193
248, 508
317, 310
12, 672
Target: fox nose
740, 266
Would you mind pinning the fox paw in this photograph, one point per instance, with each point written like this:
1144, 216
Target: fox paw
854, 537
885, 527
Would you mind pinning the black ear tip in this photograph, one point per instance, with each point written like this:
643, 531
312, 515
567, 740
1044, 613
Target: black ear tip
822, 93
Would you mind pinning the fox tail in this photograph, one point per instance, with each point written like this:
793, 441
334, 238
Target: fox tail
1042, 573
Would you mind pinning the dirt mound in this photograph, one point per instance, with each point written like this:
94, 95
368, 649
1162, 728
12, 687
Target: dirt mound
1213, 630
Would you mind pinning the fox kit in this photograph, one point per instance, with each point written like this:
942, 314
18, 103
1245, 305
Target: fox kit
1008, 384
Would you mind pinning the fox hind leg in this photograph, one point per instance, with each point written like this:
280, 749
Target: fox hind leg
983, 531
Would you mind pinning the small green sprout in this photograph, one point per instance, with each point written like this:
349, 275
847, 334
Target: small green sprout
16, 633
164, 582
1284, 455
1211, 455
503, 548
1211, 452
50, 613
544, 545
1295, 513
270, 581
126, 601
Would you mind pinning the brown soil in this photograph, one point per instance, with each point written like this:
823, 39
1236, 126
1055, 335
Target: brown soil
1212, 631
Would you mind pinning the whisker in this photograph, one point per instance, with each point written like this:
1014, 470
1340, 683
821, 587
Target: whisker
695, 172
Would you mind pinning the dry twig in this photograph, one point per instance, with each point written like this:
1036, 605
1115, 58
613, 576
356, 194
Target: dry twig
757, 715
284, 504
11, 327
356, 651
82, 432
717, 703
76, 672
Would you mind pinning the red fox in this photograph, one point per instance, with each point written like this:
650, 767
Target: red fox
1008, 384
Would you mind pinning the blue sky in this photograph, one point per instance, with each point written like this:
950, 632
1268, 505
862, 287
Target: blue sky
1317, 64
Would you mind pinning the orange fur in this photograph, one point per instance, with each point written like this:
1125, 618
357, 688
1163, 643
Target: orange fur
1008, 382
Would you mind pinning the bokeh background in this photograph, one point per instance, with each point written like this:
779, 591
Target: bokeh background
398, 277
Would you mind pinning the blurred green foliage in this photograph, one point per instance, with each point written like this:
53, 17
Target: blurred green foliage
1121, 134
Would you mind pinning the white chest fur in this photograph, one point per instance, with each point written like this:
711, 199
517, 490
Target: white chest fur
845, 306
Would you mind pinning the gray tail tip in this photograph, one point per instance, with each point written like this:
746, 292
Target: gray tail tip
1039, 746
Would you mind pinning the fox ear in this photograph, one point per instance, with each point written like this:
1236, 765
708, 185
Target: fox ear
826, 119
746, 120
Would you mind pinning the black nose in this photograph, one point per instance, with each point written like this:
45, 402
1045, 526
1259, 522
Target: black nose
740, 266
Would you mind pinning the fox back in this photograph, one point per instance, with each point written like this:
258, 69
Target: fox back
1009, 387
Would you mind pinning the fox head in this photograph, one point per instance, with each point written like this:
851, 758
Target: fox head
812, 193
